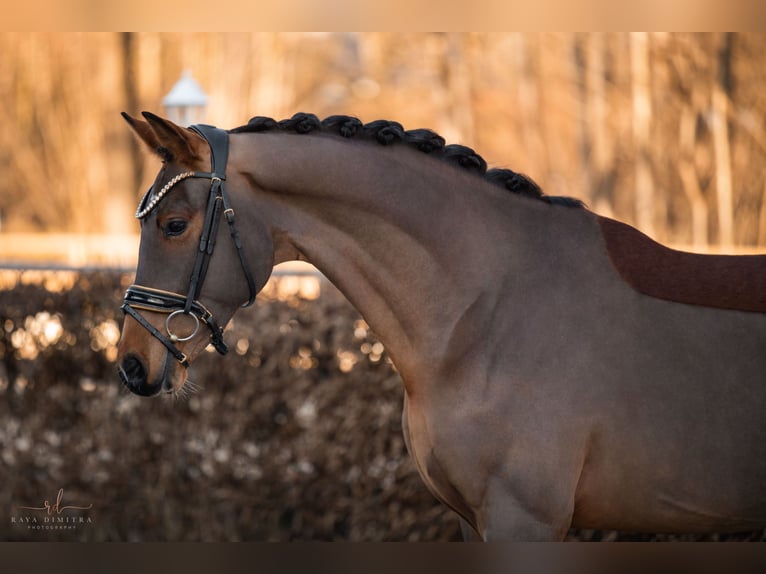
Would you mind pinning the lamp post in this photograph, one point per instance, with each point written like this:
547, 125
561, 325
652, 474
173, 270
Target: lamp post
185, 103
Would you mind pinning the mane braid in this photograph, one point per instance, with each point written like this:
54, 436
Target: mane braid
387, 133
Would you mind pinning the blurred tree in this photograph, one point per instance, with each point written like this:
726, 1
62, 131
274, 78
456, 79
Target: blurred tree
645, 197
456, 80
130, 86
664, 131
721, 89
595, 138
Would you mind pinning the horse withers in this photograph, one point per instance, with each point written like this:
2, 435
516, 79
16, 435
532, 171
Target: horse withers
560, 369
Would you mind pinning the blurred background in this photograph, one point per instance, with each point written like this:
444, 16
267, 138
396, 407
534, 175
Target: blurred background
296, 435
664, 131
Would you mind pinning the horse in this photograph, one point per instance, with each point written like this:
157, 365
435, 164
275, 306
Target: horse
560, 369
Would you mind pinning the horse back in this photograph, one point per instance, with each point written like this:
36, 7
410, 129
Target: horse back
735, 282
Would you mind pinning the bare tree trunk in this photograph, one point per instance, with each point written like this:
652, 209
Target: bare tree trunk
458, 83
129, 84
689, 179
762, 219
720, 128
272, 93
642, 114
581, 69
588, 51
527, 66
597, 103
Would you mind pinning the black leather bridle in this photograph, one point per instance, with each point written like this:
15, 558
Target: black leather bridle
174, 304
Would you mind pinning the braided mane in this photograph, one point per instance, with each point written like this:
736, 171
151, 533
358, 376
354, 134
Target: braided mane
387, 132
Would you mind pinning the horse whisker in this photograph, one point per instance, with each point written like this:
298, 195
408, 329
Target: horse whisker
186, 391
191, 387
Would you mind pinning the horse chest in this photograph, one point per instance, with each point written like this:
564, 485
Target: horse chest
435, 460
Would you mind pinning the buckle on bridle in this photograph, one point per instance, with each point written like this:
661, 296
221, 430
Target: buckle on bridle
159, 301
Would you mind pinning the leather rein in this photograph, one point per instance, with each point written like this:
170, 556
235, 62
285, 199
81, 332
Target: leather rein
140, 297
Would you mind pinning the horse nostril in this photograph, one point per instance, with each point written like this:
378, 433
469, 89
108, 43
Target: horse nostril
134, 369
134, 375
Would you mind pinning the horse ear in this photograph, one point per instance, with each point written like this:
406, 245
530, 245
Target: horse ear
184, 145
144, 131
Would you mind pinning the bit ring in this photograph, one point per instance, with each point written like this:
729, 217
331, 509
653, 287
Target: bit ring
175, 338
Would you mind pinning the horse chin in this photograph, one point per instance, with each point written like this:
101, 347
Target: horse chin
172, 376
169, 380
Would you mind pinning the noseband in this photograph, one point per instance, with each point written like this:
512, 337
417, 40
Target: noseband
175, 304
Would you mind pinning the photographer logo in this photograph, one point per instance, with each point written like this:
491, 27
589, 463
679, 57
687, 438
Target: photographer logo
56, 516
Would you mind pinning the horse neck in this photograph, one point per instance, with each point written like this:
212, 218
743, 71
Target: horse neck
407, 239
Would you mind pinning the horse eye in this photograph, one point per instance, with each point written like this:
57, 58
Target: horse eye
174, 227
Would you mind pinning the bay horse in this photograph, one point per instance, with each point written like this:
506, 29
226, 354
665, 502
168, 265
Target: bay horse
560, 369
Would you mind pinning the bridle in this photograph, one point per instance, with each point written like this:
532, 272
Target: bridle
175, 304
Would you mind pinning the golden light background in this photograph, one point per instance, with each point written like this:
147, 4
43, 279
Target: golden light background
663, 130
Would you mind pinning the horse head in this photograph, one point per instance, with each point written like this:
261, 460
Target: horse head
188, 285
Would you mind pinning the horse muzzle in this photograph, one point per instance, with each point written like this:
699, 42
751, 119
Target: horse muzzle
134, 376
150, 372
138, 297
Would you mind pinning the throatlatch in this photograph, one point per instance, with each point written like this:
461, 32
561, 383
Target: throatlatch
175, 304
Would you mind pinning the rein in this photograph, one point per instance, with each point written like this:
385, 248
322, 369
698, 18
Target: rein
175, 304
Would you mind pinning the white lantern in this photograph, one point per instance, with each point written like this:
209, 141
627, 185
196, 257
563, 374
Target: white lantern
185, 103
